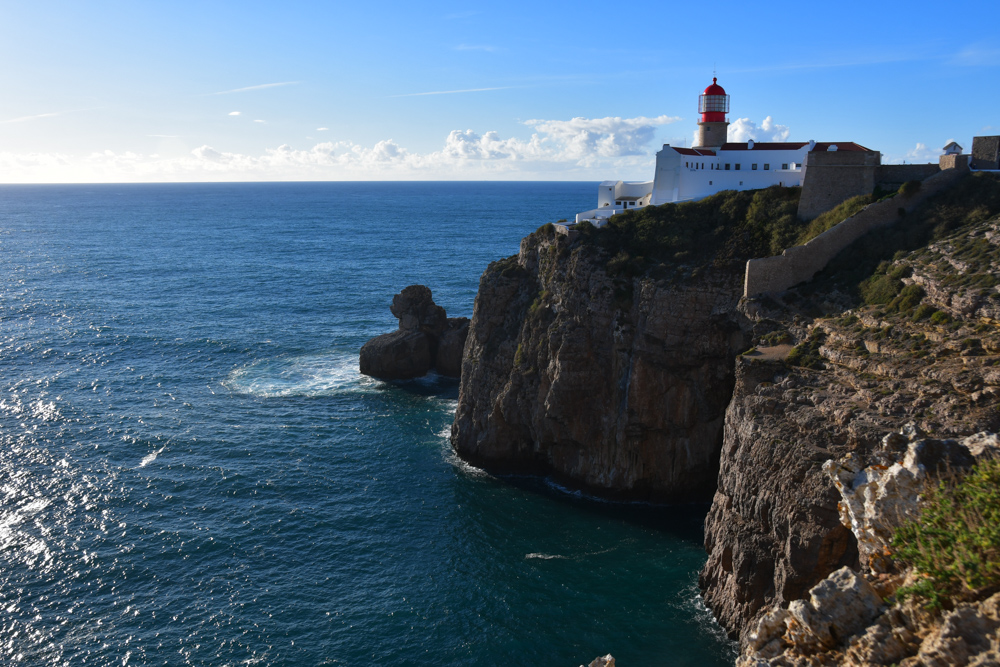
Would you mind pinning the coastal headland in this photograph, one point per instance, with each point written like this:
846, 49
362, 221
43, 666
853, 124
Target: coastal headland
626, 360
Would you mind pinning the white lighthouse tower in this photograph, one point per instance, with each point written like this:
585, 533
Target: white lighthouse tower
713, 106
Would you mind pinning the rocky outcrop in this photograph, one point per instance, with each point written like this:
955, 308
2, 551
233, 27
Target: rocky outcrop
426, 339
845, 623
609, 382
775, 527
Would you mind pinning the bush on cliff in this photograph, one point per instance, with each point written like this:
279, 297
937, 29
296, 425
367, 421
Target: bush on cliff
973, 200
729, 225
834, 216
955, 542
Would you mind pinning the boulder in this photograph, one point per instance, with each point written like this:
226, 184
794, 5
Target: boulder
397, 356
416, 310
426, 339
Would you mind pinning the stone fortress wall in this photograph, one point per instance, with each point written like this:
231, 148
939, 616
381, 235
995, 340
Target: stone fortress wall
800, 263
986, 152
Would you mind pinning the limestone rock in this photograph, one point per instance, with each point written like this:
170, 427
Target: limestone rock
877, 500
397, 356
426, 339
451, 345
564, 375
604, 661
416, 310
839, 606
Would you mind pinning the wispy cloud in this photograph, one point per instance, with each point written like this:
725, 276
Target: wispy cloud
258, 87
477, 47
21, 119
258, 120
234, 113
452, 92
164, 136
322, 129
976, 55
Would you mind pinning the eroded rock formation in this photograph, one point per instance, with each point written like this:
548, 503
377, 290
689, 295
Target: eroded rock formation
613, 383
426, 339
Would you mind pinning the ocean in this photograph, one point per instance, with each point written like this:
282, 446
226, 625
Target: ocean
193, 472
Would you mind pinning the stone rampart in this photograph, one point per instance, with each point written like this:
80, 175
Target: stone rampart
986, 152
830, 177
891, 176
800, 263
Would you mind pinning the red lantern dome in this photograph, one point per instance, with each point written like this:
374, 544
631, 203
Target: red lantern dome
713, 105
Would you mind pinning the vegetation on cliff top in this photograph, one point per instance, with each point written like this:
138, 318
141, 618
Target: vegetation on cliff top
955, 542
727, 226
865, 268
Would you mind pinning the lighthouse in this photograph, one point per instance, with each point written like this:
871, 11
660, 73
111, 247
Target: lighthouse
713, 106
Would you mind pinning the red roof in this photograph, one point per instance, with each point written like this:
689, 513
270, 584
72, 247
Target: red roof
841, 146
715, 89
694, 151
767, 146
795, 145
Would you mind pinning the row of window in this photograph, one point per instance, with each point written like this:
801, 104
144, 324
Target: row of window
753, 167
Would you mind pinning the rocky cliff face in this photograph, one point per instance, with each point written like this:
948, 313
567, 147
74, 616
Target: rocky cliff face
614, 383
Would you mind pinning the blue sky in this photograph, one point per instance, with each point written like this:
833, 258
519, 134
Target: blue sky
193, 91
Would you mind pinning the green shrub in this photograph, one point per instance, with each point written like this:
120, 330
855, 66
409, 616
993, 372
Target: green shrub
806, 354
908, 299
909, 188
834, 216
940, 317
955, 542
880, 289
923, 311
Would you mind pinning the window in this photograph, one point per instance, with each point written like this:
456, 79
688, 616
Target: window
710, 182
754, 166
784, 166
737, 166
741, 182
767, 167
618, 203
686, 164
727, 166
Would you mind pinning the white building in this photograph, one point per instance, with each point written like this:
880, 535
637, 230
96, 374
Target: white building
713, 165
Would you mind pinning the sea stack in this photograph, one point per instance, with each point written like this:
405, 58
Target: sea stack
426, 339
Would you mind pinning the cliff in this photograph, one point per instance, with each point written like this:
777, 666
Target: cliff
900, 329
607, 360
612, 361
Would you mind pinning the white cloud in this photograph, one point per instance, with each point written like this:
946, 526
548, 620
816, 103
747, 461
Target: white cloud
977, 55
234, 113
576, 148
260, 121
743, 129
587, 139
322, 129
257, 87
21, 119
918, 154
451, 92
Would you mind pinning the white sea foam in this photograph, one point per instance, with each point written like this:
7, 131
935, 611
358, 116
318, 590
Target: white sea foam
149, 458
311, 375
546, 556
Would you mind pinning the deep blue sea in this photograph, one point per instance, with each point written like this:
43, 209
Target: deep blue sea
193, 472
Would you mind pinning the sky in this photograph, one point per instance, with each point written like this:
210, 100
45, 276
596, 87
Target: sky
150, 91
